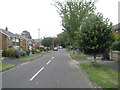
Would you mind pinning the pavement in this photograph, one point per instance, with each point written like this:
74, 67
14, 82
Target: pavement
54, 70
14, 61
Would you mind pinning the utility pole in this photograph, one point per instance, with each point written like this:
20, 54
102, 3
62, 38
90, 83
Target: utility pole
38, 33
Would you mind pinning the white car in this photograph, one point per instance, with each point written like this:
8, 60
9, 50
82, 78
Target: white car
55, 49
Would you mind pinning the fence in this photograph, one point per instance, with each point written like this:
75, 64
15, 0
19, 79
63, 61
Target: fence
115, 55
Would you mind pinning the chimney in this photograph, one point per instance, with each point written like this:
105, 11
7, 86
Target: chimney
6, 29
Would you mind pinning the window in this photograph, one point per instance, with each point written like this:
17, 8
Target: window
17, 40
13, 39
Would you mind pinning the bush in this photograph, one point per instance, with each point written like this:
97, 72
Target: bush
37, 50
17, 54
13, 53
20, 53
23, 53
10, 52
116, 45
27, 52
4, 53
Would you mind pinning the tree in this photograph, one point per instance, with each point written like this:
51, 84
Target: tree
95, 35
26, 34
64, 39
56, 41
47, 41
73, 14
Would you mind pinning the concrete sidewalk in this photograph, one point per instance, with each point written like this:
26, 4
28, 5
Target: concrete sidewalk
15, 62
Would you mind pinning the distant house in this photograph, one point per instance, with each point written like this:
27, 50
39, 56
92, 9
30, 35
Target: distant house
8, 39
38, 43
116, 29
24, 42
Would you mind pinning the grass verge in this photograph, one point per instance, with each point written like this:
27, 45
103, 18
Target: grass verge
29, 58
69, 51
77, 57
6, 67
47, 52
102, 75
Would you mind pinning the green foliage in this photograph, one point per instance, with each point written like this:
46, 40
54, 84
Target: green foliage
17, 54
96, 34
13, 53
4, 53
27, 52
47, 42
116, 45
26, 34
41, 49
23, 53
8, 53
117, 37
73, 14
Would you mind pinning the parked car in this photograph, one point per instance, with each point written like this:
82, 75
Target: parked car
55, 49
60, 47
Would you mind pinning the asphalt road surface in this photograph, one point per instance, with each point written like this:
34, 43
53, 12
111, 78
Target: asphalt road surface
54, 70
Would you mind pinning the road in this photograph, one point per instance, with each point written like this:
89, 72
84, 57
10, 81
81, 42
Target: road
54, 70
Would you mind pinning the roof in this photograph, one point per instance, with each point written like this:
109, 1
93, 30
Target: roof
8, 33
117, 27
37, 40
22, 37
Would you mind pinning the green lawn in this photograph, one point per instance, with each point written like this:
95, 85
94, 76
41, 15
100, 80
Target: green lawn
47, 52
29, 58
102, 75
77, 57
6, 67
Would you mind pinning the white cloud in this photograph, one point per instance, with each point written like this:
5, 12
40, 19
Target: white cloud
19, 15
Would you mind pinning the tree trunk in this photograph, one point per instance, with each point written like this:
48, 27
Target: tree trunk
94, 58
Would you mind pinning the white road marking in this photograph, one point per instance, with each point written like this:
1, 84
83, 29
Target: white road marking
52, 57
48, 62
24, 63
36, 73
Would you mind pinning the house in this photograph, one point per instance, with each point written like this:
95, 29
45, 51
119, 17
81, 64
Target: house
116, 29
38, 43
8, 40
24, 44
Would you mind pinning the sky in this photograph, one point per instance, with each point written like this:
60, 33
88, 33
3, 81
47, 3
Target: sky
31, 15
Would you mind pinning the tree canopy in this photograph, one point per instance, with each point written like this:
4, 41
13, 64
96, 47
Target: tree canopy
85, 28
47, 41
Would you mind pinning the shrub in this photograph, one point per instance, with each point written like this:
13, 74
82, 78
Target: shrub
17, 54
116, 45
37, 50
23, 53
10, 52
4, 53
27, 52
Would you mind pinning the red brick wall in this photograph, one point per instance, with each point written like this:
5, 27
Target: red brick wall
0, 41
24, 44
4, 41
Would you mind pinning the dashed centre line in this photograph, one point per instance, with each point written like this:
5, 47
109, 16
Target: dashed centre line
48, 62
39, 70
52, 57
36, 73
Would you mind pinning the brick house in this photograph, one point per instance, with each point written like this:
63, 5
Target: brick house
0, 42
8, 39
24, 42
